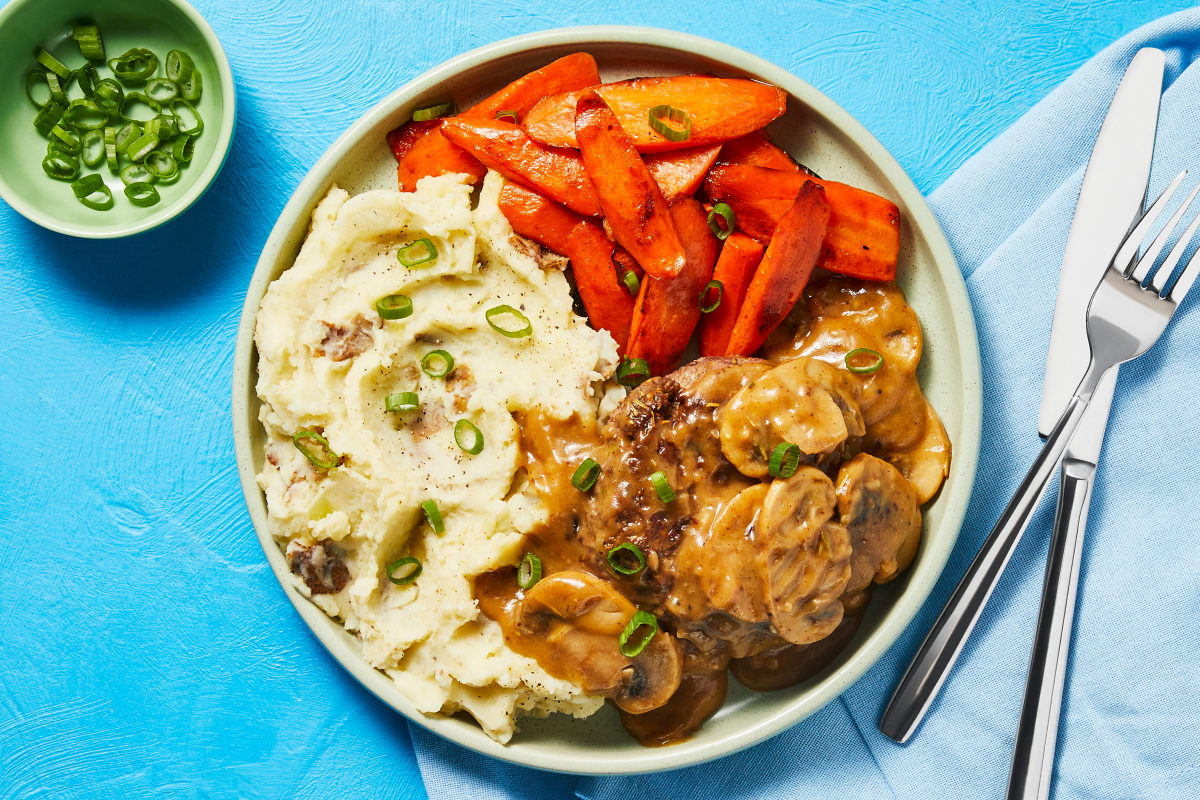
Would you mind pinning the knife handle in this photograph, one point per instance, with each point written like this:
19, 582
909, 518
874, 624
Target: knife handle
1037, 731
935, 658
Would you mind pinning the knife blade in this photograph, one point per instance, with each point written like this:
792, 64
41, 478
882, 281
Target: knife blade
1116, 180
1112, 175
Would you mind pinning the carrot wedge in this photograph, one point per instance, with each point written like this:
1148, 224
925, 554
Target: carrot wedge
863, 239
668, 309
739, 257
428, 152
558, 174
537, 217
680, 172
780, 278
628, 195
719, 109
756, 150
609, 306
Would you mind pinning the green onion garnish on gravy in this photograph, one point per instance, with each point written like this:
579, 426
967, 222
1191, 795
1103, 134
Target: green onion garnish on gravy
585, 475
640, 620
784, 461
854, 361
530, 571
620, 564
661, 488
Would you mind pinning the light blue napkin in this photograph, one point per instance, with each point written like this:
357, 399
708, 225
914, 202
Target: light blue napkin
1130, 727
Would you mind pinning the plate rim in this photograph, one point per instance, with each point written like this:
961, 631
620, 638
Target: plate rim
966, 452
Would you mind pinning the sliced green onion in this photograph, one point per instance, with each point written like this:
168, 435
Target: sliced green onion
57, 93
614, 559
708, 308
510, 115
136, 173
48, 116
437, 363
191, 87
87, 77
661, 488
108, 96
722, 211
402, 401
586, 475
69, 143
142, 195
632, 284
433, 515
91, 45
161, 90
433, 112
178, 66
394, 306
530, 571
187, 118
93, 193
876, 361
132, 100
506, 310
85, 115
784, 461
33, 79
639, 620
632, 372
127, 133
61, 166
468, 437
92, 148
414, 254
408, 575
162, 165
183, 148
136, 65
672, 123
139, 148
318, 451
110, 149
53, 64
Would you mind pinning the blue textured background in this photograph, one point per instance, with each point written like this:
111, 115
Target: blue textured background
145, 647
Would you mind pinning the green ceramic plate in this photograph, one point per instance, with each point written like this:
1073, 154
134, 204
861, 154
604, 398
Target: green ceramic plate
159, 25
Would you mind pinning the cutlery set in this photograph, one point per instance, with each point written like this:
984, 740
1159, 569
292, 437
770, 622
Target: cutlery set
1112, 306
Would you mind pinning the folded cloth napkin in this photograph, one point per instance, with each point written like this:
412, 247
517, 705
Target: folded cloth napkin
1129, 725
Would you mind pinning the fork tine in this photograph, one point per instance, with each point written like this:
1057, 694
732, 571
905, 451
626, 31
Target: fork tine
1167, 269
1128, 250
1145, 266
1186, 279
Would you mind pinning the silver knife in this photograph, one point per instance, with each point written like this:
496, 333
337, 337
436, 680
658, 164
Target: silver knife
1113, 190
1110, 200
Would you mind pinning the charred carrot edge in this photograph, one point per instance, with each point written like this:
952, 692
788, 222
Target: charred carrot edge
422, 151
863, 240
558, 174
785, 269
537, 217
719, 109
628, 195
668, 310
609, 306
740, 255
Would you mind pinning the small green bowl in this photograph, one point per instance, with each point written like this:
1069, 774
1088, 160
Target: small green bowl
159, 25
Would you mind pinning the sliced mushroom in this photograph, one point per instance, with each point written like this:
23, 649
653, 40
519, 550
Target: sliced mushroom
803, 401
879, 508
578, 619
701, 692
926, 463
807, 556
785, 664
903, 426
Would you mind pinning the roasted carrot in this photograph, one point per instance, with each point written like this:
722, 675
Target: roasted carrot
680, 172
719, 109
756, 150
668, 309
609, 306
779, 280
428, 152
628, 194
739, 257
863, 239
537, 217
557, 173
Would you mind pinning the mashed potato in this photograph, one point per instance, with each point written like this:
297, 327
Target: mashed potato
327, 361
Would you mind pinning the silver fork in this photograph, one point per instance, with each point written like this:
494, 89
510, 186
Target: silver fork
1123, 320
